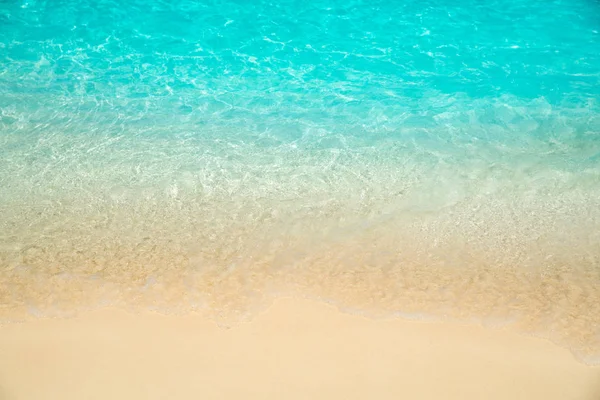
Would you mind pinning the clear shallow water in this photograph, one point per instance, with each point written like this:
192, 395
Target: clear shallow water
421, 159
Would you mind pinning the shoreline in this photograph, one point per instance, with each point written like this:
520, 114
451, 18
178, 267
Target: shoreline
294, 349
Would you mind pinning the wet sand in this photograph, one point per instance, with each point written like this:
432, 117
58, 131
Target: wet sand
296, 349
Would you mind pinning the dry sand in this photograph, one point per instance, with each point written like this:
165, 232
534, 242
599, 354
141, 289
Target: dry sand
297, 349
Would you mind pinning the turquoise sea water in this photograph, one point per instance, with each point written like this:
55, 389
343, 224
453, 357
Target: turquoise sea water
424, 159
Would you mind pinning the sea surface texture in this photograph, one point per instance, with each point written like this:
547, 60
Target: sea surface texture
425, 159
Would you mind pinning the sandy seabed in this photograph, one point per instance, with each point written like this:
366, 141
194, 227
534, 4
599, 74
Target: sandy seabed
296, 349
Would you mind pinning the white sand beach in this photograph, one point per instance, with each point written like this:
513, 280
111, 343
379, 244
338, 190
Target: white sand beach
297, 349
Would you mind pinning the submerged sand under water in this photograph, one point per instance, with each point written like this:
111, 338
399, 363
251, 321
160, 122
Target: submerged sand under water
528, 258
